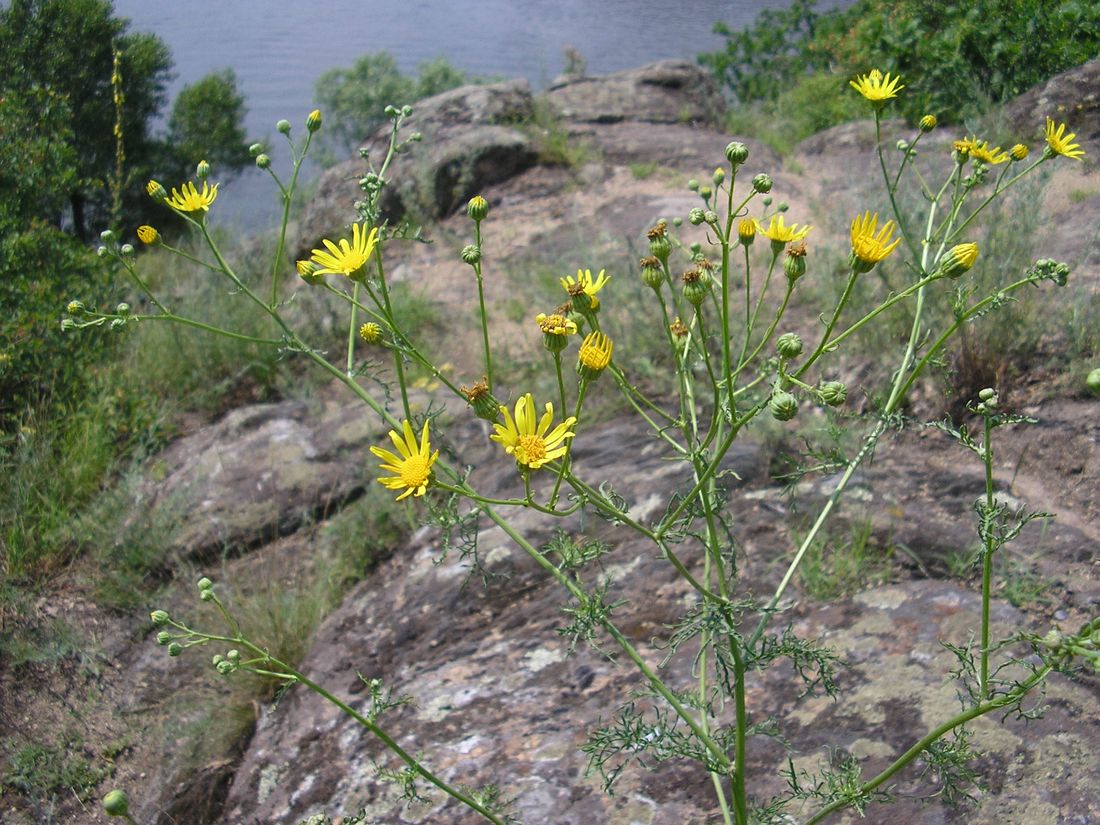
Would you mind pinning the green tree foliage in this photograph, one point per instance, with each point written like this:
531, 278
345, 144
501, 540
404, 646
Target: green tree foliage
353, 99
67, 47
956, 58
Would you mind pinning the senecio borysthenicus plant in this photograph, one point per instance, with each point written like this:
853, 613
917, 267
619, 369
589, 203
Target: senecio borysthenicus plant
733, 365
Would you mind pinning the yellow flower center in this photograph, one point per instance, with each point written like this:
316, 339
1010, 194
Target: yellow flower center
415, 470
532, 449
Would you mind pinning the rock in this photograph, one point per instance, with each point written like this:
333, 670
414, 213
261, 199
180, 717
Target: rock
669, 91
1072, 97
257, 474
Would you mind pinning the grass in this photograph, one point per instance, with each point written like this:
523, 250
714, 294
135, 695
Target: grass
840, 565
46, 770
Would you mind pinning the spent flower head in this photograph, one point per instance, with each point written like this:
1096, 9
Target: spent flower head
1060, 143
869, 248
532, 442
347, 258
876, 87
411, 465
188, 198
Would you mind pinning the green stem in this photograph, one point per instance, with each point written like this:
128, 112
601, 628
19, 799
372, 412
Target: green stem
484, 315
987, 559
287, 194
351, 329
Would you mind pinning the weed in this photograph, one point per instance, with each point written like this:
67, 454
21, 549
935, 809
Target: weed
45, 770
840, 566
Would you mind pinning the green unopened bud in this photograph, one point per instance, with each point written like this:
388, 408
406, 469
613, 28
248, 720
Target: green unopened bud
902, 145
694, 249
217, 660
927, 123
788, 345
1046, 269
225, 668
737, 152
116, 803
693, 185
958, 260
205, 584
106, 236
987, 394
202, 171
719, 176
283, 127
263, 161
695, 216
101, 252
783, 406
313, 120
782, 207
159, 617
1092, 382
833, 393
255, 149
416, 137
762, 183
122, 309
175, 649
677, 221
163, 638
471, 254
710, 216
233, 655
477, 208
75, 307
155, 191
68, 324
206, 595
126, 250
705, 192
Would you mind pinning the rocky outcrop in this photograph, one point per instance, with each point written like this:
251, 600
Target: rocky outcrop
669, 91
1072, 97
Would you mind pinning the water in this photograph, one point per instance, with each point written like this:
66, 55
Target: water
278, 49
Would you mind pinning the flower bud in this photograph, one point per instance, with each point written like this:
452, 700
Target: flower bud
783, 406
75, 307
594, 356
159, 617
710, 216
652, 274
693, 185
101, 252
148, 235
719, 176
263, 161
762, 183
126, 250
313, 120
766, 200
68, 324
116, 803
927, 123
1092, 382
202, 171
122, 309
225, 668
206, 595
163, 638
255, 149
1019, 151
705, 192
987, 394
416, 137
736, 152
958, 260
233, 655
746, 231
106, 236
155, 191
695, 216
283, 127
370, 332
902, 145
308, 269
788, 346
694, 249
471, 254
833, 393
1046, 269
660, 248
175, 649
477, 208
782, 207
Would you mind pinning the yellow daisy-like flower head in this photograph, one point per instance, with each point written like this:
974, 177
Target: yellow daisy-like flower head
1059, 143
189, 199
958, 260
531, 442
147, 234
411, 466
347, 258
876, 87
780, 234
746, 231
583, 290
979, 150
556, 330
594, 356
868, 248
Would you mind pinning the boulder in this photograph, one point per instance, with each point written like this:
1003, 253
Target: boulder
1072, 97
669, 91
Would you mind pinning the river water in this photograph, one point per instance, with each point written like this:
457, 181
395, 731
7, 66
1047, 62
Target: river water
278, 49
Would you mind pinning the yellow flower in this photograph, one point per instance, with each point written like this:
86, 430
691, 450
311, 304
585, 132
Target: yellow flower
979, 150
555, 324
585, 284
594, 356
1059, 143
746, 231
412, 466
147, 234
532, 442
927, 123
958, 260
876, 88
1019, 151
867, 247
370, 332
779, 233
346, 258
189, 199
156, 191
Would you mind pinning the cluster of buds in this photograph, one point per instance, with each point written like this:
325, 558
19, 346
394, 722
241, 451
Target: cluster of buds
1063, 648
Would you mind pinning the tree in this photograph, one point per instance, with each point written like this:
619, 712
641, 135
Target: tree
206, 124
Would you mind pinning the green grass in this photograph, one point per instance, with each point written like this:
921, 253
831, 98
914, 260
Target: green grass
840, 565
47, 770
